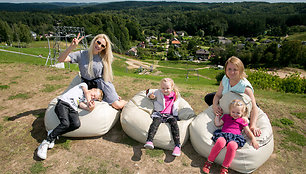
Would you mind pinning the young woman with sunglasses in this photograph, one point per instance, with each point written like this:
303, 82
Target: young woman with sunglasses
95, 66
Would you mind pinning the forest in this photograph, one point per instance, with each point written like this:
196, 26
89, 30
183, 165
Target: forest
127, 23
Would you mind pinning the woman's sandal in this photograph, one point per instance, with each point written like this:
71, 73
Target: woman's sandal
207, 166
224, 170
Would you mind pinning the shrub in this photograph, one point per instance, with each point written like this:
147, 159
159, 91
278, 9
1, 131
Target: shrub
219, 76
261, 79
292, 83
20, 95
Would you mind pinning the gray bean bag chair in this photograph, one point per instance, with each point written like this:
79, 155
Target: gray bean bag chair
95, 123
135, 120
247, 158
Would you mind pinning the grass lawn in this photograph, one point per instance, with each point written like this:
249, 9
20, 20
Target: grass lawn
298, 36
27, 86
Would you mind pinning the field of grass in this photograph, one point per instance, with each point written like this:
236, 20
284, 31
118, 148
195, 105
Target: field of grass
286, 112
298, 36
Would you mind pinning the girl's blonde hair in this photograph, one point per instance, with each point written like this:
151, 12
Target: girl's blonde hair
175, 89
106, 56
236, 61
239, 103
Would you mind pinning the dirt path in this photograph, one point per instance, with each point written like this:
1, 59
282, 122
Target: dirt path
282, 73
16, 52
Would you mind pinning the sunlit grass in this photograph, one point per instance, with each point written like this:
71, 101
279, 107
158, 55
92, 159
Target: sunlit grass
51, 88
298, 36
56, 78
154, 152
7, 58
20, 96
2, 87
300, 115
38, 167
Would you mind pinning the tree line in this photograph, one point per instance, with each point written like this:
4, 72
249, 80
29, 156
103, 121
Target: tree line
127, 22
121, 29
215, 19
274, 54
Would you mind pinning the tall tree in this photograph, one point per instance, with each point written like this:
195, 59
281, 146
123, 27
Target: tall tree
24, 33
5, 32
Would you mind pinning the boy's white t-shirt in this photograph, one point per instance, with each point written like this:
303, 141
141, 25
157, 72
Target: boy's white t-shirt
74, 96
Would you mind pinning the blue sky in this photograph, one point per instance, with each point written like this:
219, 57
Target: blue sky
101, 1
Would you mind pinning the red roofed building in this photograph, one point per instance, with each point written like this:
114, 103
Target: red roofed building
176, 42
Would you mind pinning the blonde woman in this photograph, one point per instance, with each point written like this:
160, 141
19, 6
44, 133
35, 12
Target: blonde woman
230, 135
95, 65
234, 80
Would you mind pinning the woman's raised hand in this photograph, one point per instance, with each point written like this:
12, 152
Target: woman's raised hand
63, 57
75, 41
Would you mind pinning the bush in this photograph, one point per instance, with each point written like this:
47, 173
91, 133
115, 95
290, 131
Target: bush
261, 79
292, 83
219, 76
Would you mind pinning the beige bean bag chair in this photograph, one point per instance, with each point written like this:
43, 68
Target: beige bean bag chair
95, 123
136, 120
247, 158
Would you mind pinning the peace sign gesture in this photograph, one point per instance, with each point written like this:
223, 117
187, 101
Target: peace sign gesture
75, 41
63, 57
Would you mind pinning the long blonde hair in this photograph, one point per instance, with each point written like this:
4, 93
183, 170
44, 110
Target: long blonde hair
175, 89
106, 56
236, 61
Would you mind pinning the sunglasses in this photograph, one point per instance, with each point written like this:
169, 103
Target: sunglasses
99, 43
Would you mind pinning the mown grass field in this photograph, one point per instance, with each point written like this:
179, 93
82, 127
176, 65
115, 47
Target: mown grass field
27, 86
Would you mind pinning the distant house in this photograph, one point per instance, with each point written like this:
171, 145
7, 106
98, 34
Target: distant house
202, 54
148, 39
162, 39
33, 34
250, 40
240, 46
267, 41
141, 45
153, 37
170, 31
224, 40
175, 42
132, 51
174, 34
150, 44
180, 33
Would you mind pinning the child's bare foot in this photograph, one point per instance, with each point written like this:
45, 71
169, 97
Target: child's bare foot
119, 104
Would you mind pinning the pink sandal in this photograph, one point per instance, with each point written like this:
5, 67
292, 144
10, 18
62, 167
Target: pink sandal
207, 166
224, 170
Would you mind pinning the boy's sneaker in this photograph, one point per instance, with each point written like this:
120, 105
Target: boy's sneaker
176, 151
42, 149
51, 145
149, 145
